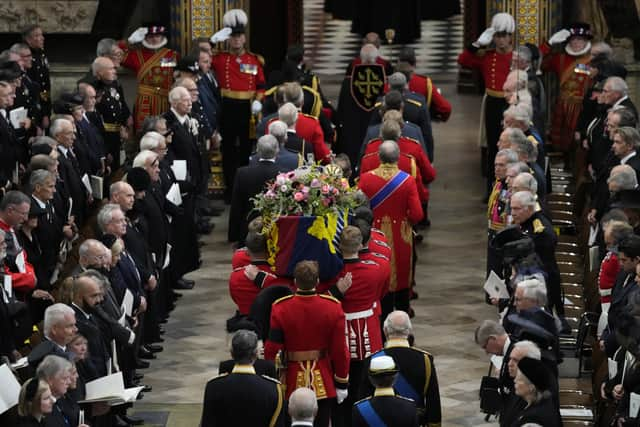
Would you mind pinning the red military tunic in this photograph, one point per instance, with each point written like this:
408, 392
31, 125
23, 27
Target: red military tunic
23, 280
360, 304
438, 105
154, 71
412, 147
385, 266
395, 217
240, 258
573, 86
243, 290
240, 76
308, 128
310, 329
494, 67
378, 243
406, 163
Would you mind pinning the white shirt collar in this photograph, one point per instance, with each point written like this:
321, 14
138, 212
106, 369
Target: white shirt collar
181, 118
625, 159
507, 343
61, 347
619, 101
302, 424
63, 149
267, 160
81, 310
40, 203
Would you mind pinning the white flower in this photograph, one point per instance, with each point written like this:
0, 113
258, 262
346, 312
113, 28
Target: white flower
194, 126
284, 188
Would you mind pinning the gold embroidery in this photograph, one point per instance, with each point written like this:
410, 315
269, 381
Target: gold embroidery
386, 170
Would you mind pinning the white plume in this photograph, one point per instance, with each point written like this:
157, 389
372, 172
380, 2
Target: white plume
234, 18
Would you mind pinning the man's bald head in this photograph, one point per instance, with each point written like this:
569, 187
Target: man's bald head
303, 405
389, 152
397, 325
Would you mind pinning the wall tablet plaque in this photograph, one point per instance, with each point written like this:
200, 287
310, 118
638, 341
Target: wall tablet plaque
54, 16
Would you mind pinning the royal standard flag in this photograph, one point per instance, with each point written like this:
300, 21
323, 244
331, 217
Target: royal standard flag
297, 238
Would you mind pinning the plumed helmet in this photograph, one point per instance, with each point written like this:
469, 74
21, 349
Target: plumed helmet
236, 19
503, 22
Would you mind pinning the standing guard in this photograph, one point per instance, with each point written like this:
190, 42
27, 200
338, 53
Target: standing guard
242, 85
39, 71
153, 64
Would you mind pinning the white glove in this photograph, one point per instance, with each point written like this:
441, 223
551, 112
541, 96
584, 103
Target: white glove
138, 35
559, 37
486, 37
256, 107
221, 35
341, 394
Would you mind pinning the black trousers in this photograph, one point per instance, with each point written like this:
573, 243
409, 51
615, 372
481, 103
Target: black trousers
325, 408
236, 146
493, 109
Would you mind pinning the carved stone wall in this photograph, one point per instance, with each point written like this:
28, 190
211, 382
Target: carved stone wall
54, 16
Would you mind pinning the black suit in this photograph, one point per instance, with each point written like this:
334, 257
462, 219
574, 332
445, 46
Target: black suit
69, 171
249, 181
49, 234
184, 146
8, 153
394, 411
96, 341
262, 367
241, 400
44, 349
623, 289
543, 413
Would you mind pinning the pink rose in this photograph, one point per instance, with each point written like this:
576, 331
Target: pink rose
324, 189
335, 191
298, 197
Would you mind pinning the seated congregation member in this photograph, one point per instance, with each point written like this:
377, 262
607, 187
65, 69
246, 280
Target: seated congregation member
249, 181
533, 383
385, 405
36, 402
305, 337
228, 397
59, 329
55, 371
395, 215
416, 378
536, 225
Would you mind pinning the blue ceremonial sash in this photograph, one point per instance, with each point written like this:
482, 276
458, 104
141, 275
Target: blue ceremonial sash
370, 415
401, 385
388, 189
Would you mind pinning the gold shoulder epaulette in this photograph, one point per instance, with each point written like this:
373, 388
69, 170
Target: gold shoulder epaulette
258, 56
377, 104
329, 297
219, 376
538, 226
279, 300
267, 377
414, 102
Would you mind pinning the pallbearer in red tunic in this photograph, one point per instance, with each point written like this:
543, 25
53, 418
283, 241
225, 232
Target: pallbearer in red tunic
393, 196
569, 63
308, 334
153, 64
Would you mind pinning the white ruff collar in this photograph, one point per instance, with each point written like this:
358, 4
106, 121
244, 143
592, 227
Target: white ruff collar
154, 46
586, 49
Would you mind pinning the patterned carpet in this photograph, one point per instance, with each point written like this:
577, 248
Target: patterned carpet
330, 45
